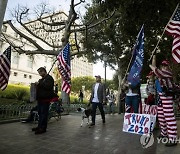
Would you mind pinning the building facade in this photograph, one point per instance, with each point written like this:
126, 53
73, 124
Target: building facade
24, 67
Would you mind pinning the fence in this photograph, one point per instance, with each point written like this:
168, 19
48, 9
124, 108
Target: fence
9, 112
16, 112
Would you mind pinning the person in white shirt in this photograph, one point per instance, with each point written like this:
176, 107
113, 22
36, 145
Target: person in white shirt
98, 98
111, 100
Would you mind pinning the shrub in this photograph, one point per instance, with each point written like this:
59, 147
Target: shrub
74, 100
22, 93
18, 92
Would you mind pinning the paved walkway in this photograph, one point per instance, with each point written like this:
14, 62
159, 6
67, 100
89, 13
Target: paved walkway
67, 137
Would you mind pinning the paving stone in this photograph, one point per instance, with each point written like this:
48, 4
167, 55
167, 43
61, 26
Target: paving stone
67, 137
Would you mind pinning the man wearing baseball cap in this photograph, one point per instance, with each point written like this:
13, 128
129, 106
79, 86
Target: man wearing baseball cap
166, 116
98, 97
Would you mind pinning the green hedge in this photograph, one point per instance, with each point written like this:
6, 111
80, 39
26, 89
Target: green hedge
18, 92
21, 93
75, 100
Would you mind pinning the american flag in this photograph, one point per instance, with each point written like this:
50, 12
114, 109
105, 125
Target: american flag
64, 68
173, 28
5, 66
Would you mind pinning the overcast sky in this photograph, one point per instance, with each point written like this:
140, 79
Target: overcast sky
58, 5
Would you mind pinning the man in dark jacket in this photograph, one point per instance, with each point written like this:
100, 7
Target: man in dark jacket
44, 95
98, 98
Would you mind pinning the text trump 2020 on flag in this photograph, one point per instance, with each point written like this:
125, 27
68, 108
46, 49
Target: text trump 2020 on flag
138, 57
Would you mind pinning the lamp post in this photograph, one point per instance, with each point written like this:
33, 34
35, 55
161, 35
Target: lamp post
105, 65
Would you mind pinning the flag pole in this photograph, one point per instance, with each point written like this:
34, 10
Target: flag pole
129, 64
132, 55
160, 38
52, 66
55, 61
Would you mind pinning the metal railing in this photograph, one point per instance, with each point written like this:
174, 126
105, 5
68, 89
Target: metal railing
11, 112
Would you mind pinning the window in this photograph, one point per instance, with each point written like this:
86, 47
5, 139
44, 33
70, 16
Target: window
25, 75
30, 76
4, 28
15, 59
15, 73
30, 62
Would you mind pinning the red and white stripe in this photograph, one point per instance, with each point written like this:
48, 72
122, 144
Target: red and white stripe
5, 66
65, 72
166, 117
176, 49
65, 69
164, 76
173, 29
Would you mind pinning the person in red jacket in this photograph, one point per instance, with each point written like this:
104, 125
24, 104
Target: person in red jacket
166, 116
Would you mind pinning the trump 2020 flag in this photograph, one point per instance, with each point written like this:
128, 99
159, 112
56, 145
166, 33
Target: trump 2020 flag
138, 57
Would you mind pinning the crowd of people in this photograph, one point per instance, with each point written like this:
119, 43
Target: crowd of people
160, 92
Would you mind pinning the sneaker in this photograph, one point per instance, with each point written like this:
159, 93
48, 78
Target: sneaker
35, 129
92, 124
40, 131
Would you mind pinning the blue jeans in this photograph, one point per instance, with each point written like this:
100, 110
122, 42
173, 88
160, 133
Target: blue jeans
43, 109
94, 107
111, 107
132, 102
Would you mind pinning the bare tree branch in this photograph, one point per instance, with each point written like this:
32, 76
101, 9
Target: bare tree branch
93, 25
47, 28
81, 1
30, 31
25, 36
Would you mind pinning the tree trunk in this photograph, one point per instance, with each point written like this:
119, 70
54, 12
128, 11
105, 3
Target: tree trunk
3, 4
119, 88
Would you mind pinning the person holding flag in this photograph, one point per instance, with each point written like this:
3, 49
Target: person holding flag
165, 84
132, 85
166, 116
44, 95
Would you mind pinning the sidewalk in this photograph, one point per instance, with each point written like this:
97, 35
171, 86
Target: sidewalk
67, 137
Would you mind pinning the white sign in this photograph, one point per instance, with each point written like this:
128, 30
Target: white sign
33, 92
137, 123
152, 110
